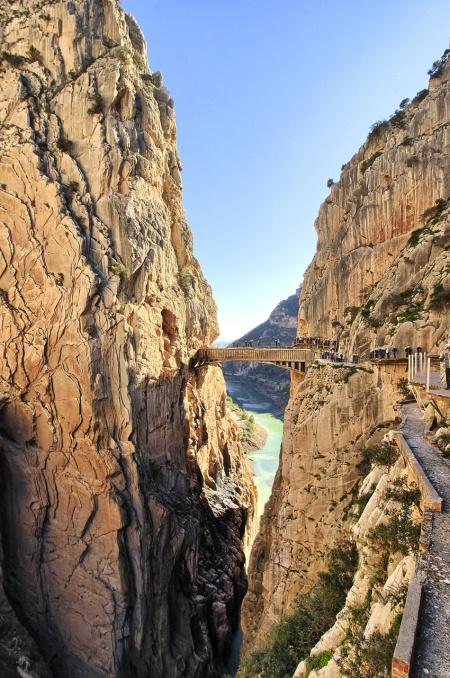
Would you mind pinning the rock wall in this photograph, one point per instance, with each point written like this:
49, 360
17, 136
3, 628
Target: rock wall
126, 499
381, 275
329, 419
372, 282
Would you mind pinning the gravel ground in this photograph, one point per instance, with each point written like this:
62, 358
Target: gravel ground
432, 657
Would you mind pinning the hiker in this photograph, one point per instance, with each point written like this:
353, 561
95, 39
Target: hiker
394, 350
388, 352
444, 360
408, 351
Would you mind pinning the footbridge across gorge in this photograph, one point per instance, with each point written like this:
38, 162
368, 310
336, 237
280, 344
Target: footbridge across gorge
297, 359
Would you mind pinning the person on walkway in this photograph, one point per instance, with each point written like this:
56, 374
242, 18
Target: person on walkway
394, 350
444, 359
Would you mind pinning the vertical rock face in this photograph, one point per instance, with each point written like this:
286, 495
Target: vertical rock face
381, 275
372, 281
328, 420
125, 495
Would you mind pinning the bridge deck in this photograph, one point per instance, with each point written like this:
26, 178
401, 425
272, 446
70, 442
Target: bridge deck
291, 358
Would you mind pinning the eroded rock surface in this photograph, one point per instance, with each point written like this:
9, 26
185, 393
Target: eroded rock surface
125, 496
381, 275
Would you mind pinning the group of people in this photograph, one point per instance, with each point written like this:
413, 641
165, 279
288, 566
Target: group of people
334, 356
444, 362
255, 342
316, 341
392, 352
384, 353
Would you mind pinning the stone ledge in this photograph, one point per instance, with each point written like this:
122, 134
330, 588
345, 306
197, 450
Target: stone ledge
430, 498
403, 653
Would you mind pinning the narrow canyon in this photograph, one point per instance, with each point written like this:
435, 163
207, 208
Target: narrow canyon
130, 540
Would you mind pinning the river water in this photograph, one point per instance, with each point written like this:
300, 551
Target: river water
264, 462
267, 415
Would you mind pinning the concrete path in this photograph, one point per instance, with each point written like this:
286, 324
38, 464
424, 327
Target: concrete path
432, 657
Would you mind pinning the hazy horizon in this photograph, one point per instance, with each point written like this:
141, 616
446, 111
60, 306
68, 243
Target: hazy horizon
271, 99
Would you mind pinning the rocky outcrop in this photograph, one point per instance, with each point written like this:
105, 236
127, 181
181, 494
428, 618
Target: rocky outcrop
331, 417
381, 271
125, 495
270, 380
381, 275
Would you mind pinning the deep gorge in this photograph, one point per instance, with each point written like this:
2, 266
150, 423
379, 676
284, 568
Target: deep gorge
127, 502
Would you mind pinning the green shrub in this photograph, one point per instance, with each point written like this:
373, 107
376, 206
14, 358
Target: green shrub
361, 502
139, 60
434, 214
14, 59
34, 54
121, 269
369, 657
330, 183
440, 296
352, 312
383, 454
124, 55
319, 661
407, 141
378, 128
293, 637
402, 493
398, 119
398, 535
108, 42
417, 234
420, 96
369, 162
97, 104
65, 145
249, 426
438, 66
185, 279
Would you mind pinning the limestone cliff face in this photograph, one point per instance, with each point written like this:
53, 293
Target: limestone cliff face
125, 495
371, 281
329, 419
381, 275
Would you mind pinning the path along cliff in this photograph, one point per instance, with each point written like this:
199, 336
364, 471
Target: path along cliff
381, 276
126, 498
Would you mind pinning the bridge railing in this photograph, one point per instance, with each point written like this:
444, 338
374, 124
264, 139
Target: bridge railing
258, 354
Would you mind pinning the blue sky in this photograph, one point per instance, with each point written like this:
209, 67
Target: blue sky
272, 97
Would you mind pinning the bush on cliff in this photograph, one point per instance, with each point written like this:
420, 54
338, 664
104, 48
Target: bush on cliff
368, 657
293, 637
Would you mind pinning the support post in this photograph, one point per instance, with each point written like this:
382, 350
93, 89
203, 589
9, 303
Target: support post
428, 374
409, 368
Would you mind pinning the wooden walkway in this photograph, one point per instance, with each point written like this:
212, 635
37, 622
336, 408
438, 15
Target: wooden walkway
298, 359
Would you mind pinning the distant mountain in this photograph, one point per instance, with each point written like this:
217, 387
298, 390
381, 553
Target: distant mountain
281, 324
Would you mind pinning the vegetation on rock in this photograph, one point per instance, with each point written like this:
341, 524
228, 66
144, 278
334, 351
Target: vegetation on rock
293, 637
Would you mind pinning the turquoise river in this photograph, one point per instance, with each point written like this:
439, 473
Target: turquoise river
264, 461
